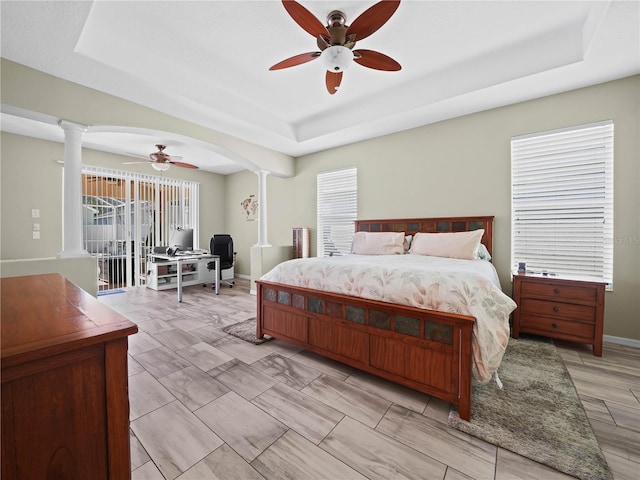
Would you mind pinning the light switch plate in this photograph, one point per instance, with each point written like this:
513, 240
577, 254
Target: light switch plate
36, 235
35, 213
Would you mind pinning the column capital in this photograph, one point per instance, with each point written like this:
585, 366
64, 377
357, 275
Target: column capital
67, 125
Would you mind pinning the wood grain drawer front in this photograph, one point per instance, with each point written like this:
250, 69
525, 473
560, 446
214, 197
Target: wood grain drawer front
557, 328
569, 311
565, 292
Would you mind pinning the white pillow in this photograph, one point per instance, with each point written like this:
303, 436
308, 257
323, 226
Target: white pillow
462, 245
378, 243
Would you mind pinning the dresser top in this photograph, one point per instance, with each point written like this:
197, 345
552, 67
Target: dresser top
554, 277
43, 315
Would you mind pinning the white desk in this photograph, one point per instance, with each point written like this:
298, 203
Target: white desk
178, 261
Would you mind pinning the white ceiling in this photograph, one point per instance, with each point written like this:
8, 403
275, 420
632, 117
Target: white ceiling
207, 62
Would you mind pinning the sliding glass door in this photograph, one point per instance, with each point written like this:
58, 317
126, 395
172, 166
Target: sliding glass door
127, 214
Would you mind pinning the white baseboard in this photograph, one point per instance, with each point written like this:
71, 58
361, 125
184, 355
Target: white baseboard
629, 342
252, 291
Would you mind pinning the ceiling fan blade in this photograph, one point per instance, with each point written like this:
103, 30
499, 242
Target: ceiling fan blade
134, 163
163, 158
373, 18
137, 155
375, 60
305, 18
295, 60
332, 81
182, 164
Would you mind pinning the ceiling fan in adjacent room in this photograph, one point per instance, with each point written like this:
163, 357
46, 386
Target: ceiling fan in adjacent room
337, 39
162, 161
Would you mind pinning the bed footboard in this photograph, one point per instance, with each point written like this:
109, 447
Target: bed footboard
425, 350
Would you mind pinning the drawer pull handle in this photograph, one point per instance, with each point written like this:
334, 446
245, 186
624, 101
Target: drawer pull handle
554, 325
556, 309
556, 290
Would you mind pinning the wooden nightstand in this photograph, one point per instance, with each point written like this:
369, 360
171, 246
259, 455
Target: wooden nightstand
559, 307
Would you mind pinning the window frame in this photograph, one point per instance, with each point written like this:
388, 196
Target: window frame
336, 189
562, 201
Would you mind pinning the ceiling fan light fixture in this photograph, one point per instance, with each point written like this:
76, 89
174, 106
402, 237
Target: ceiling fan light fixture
161, 167
336, 58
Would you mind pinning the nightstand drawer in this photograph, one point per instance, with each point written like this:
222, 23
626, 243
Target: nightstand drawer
568, 311
566, 292
556, 328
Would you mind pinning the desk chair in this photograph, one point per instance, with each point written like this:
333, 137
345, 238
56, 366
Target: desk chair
222, 245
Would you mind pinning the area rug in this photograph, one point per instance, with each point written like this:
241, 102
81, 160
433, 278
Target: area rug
537, 414
246, 331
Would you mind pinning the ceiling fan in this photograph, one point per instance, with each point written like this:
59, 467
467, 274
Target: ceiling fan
337, 39
162, 161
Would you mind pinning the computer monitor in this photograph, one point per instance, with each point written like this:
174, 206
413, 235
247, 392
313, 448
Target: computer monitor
182, 237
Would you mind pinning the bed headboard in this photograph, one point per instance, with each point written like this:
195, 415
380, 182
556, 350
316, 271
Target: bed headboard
431, 225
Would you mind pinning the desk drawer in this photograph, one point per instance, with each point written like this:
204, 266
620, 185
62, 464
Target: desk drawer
556, 328
559, 310
566, 292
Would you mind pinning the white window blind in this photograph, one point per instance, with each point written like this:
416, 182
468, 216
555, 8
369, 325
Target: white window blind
126, 214
562, 201
337, 210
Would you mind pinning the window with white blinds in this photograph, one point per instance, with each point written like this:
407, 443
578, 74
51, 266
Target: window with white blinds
562, 201
337, 210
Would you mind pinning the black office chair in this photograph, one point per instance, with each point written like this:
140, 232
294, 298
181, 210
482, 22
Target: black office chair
222, 245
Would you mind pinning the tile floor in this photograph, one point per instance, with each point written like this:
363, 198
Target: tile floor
205, 405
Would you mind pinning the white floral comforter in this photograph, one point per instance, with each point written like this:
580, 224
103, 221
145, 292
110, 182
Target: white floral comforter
466, 287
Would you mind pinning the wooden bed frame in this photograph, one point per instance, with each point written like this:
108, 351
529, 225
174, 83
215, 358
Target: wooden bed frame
425, 350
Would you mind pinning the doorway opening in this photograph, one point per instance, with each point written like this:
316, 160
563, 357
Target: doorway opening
127, 214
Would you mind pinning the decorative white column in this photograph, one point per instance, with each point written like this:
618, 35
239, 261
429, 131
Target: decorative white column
262, 208
72, 191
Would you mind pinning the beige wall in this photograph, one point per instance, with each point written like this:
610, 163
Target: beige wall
32, 178
81, 271
244, 233
282, 214
456, 167
32, 90
462, 167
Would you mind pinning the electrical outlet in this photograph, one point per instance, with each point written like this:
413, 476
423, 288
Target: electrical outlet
36, 227
36, 235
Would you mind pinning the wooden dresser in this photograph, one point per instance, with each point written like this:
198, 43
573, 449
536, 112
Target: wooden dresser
558, 307
65, 404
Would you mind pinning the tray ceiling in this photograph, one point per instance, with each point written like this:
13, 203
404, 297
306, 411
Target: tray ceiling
207, 62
